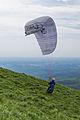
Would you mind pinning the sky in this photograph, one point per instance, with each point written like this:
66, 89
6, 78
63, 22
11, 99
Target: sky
14, 14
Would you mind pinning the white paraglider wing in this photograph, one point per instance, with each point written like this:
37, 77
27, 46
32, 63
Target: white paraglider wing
45, 31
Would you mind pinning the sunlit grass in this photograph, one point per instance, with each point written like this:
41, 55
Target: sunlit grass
24, 97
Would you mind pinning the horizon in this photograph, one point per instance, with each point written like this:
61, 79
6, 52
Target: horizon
40, 57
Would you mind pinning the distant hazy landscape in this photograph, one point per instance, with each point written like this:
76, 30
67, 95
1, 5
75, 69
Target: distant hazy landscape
65, 70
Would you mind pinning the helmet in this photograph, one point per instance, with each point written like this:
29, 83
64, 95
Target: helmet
53, 79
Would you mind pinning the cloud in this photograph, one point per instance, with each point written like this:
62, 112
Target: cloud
52, 2
63, 0
65, 30
63, 16
68, 48
14, 15
9, 5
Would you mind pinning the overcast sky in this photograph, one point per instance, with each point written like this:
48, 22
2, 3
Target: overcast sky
15, 13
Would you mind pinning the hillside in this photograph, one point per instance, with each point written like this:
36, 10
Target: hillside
24, 97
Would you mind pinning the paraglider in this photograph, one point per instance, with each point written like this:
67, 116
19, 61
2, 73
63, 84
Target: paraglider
51, 85
44, 29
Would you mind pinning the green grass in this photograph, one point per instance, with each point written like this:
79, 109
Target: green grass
24, 97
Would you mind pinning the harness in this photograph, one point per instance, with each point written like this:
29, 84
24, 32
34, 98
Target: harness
51, 87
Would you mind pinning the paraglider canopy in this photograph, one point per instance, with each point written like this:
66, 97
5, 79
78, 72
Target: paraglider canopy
45, 31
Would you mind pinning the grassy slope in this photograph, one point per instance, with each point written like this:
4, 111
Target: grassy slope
24, 97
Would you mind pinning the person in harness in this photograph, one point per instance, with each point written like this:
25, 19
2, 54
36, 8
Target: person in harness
51, 85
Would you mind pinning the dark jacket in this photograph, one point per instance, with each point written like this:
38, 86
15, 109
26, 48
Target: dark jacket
51, 86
